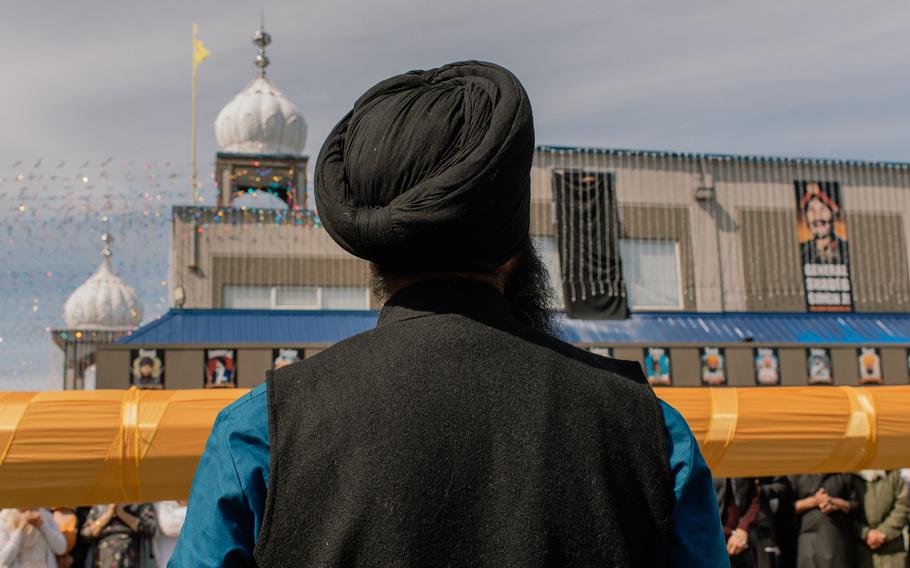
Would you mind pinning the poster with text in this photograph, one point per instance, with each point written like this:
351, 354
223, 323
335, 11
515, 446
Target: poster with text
284, 357
823, 247
220, 368
870, 366
767, 366
147, 368
819, 362
713, 370
602, 351
657, 366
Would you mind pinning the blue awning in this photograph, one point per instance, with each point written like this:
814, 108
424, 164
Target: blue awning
292, 327
247, 327
712, 328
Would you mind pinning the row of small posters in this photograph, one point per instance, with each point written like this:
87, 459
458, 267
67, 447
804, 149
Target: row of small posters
147, 366
766, 364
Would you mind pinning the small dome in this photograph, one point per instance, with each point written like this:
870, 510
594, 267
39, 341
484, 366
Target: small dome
104, 301
260, 120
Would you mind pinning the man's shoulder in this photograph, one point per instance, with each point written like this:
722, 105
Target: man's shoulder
349, 351
248, 403
246, 415
616, 368
380, 345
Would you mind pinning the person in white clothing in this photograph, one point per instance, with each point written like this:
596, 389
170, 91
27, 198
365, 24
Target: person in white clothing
29, 538
171, 515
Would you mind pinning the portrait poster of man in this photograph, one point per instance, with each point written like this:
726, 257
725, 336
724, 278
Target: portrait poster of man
820, 372
713, 371
147, 368
602, 351
657, 366
284, 357
870, 366
220, 368
823, 246
767, 366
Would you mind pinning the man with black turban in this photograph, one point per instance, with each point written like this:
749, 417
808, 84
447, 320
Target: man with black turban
460, 431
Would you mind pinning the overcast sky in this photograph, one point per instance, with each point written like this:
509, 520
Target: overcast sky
89, 80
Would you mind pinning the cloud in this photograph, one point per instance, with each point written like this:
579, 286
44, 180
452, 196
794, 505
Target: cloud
97, 78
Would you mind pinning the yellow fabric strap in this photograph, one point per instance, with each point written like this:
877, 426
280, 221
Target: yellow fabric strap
856, 449
130, 481
12, 408
150, 413
722, 426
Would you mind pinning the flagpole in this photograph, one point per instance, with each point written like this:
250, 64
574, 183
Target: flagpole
193, 174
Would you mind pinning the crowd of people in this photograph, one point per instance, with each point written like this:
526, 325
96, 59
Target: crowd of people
832, 520
103, 536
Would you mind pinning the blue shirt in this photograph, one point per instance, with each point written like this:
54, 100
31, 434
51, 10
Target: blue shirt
227, 499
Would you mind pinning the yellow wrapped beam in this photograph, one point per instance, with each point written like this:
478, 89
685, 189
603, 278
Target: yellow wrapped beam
86, 447
788, 430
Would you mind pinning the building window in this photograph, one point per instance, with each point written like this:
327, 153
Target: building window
246, 297
296, 297
549, 254
651, 272
344, 298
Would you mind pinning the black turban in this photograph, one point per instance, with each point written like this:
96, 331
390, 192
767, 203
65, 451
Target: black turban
431, 170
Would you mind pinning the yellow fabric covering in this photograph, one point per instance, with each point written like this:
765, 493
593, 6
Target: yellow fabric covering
86, 447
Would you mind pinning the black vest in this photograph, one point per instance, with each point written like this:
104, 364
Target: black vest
452, 435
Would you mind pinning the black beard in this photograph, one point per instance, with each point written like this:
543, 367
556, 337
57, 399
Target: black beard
526, 288
528, 291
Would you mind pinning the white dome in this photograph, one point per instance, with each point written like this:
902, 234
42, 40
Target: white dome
260, 120
104, 301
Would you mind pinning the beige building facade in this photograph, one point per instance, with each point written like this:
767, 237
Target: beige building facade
702, 239
727, 224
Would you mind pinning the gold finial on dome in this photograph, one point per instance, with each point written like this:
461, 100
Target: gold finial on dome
107, 239
261, 39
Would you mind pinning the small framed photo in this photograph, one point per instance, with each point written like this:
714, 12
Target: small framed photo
602, 351
870, 366
820, 370
147, 368
657, 366
767, 366
284, 357
713, 368
220, 368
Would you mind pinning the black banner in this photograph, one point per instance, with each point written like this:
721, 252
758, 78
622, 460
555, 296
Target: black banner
823, 247
588, 240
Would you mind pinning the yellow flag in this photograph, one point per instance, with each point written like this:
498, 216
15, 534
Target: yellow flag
199, 50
